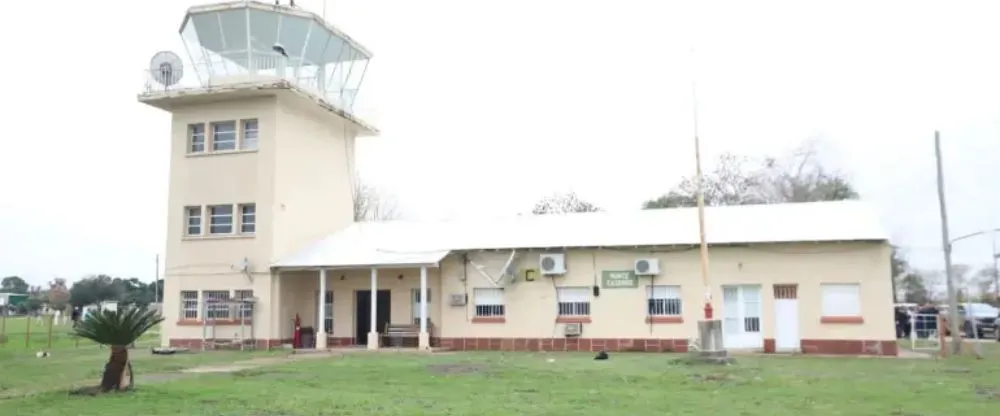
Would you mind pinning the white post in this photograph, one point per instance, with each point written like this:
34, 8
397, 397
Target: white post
321, 312
373, 323
424, 339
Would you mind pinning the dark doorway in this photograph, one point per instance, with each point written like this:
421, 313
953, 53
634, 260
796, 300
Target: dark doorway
363, 309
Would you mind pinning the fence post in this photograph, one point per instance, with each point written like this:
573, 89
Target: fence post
27, 335
51, 322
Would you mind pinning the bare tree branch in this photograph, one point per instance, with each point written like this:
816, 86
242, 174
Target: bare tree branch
372, 205
562, 203
735, 180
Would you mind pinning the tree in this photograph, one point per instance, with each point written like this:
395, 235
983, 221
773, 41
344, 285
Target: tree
899, 269
731, 182
563, 203
95, 289
117, 329
984, 281
803, 179
58, 294
13, 284
960, 278
372, 205
914, 289
737, 181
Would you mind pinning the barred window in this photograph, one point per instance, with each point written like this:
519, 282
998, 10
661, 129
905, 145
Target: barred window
663, 301
217, 304
489, 302
573, 301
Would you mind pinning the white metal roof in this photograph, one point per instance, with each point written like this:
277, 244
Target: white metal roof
427, 242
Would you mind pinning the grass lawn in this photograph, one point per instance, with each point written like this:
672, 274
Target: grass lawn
22, 374
26, 332
528, 384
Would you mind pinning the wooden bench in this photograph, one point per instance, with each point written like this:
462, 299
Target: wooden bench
397, 334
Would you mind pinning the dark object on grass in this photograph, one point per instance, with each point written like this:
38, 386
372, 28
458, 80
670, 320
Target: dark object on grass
168, 350
117, 329
601, 356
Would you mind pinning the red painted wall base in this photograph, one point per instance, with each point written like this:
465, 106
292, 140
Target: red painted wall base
808, 346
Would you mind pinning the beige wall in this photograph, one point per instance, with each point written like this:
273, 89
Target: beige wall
616, 313
299, 178
621, 313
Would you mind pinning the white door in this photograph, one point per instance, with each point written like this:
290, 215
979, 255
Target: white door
741, 316
786, 318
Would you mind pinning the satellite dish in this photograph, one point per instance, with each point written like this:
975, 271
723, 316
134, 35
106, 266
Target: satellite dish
166, 68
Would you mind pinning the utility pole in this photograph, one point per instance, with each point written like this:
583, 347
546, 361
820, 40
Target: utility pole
956, 338
156, 281
710, 337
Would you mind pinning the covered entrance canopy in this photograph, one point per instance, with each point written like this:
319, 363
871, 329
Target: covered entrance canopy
354, 249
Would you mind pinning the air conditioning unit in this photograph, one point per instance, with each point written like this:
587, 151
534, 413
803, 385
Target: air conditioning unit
573, 330
552, 264
459, 299
647, 267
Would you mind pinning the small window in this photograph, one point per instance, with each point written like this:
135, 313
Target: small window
189, 304
216, 304
224, 136
220, 219
196, 138
574, 301
192, 217
244, 309
248, 218
841, 299
328, 312
489, 302
416, 305
249, 141
663, 300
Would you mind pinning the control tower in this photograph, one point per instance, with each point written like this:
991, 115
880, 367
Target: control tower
261, 162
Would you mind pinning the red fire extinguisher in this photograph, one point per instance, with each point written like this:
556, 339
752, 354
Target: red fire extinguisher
297, 335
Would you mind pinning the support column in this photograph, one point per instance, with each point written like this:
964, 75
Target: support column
321, 312
424, 339
373, 323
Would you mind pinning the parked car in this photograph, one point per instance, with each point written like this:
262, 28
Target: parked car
977, 319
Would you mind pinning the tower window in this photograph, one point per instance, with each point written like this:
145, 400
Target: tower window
196, 138
220, 219
193, 217
248, 218
224, 135
249, 139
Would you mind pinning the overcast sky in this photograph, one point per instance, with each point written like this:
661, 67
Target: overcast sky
487, 105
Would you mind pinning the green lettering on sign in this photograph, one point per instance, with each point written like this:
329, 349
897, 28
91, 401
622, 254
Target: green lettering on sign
611, 279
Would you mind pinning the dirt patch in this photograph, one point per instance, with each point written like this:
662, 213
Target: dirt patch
990, 393
712, 377
94, 391
218, 369
249, 372
456, 368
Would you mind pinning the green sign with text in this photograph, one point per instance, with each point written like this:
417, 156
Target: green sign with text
619, 279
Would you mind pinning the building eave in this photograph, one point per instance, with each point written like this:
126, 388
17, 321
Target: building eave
169, 99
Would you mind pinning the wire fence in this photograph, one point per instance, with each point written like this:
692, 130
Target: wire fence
47, 332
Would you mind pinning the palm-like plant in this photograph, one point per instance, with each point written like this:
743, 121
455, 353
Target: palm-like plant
117, 329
